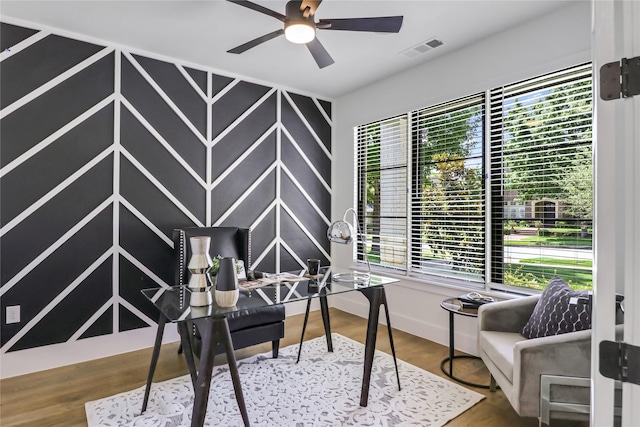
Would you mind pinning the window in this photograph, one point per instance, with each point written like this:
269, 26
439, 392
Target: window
382, 198
541, 157
447, 195
512, 207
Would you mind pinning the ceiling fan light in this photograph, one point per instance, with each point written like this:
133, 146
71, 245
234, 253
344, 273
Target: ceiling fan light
300, 32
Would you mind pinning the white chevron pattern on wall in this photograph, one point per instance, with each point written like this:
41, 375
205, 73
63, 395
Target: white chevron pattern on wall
105, 151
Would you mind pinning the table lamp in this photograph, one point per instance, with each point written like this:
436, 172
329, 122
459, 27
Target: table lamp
341, 232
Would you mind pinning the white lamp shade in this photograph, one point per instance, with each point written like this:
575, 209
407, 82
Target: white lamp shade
340, 232
343, 233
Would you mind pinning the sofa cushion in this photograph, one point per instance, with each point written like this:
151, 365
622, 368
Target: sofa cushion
499, 347
554, 315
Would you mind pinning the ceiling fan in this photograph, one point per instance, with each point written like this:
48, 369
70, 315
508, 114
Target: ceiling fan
300, 27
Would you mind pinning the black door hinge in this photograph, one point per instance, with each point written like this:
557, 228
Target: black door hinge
620, 79
620, 361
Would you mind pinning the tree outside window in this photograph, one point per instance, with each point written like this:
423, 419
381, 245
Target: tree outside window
430, 182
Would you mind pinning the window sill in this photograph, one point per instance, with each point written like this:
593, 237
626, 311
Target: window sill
441, 286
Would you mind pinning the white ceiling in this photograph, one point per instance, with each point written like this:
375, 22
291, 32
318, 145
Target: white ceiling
200, 33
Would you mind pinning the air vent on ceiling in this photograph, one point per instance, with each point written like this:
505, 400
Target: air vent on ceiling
422, 47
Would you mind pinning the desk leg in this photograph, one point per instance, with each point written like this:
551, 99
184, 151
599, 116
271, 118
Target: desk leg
393, 348
184, 328
207, 328
324, 309
212, 331
376, 297
154, 360
223, 330
304, 328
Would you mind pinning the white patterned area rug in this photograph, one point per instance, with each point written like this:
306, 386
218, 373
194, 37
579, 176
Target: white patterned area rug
322, 390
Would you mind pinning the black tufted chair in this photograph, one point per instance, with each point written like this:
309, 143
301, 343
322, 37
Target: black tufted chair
253, 323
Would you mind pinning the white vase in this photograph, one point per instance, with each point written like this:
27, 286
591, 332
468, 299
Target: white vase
198, 265
200, 260
198, 282
201, 299
227, 298
226, 289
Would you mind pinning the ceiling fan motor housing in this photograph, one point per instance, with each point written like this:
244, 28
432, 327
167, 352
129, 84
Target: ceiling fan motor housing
294, 11
297, 27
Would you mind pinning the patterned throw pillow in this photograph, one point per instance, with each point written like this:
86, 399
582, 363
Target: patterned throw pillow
553, 315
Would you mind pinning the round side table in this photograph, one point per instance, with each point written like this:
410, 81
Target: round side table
455, 307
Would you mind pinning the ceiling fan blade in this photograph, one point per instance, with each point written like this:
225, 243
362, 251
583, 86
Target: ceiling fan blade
256, 42
311, 4
260, 9
319, 53
383, 24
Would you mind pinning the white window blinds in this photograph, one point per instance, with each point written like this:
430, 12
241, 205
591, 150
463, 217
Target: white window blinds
424, 205
542, 195
447, 197
382, 190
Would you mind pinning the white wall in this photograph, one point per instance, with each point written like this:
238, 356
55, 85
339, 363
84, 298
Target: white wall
552, 42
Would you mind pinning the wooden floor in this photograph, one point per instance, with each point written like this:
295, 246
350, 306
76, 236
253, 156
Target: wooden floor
56, 397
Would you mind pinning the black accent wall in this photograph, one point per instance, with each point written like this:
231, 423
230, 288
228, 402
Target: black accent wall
104, 152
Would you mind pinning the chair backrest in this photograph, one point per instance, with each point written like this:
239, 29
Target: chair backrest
225, 241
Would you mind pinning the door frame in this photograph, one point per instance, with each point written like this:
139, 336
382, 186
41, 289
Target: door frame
615, 34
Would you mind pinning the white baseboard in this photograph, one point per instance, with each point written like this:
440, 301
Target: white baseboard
299, 307
57, 355
54, 356
431, 331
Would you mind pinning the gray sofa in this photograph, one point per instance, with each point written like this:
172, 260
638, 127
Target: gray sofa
517, 363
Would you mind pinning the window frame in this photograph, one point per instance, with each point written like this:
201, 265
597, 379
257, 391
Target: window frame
493, 238
441, 111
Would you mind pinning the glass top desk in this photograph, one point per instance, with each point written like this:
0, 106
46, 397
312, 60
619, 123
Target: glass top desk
211, 321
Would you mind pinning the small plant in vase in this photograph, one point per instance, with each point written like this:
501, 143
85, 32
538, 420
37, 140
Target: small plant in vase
215, 267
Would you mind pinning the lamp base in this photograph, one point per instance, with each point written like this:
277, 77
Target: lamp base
354, 277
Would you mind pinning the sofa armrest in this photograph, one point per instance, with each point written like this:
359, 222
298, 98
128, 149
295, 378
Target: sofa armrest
566, 355
506, 316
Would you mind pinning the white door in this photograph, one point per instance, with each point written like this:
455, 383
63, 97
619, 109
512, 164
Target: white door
616, 35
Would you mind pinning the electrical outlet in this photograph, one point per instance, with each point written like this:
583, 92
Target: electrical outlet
13, 314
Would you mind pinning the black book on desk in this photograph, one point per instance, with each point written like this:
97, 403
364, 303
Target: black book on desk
474, 300
469, 304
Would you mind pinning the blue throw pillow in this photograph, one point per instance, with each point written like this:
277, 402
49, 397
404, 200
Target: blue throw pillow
553, 315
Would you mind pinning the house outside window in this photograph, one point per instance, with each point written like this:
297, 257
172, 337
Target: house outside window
382, 199
492, 190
